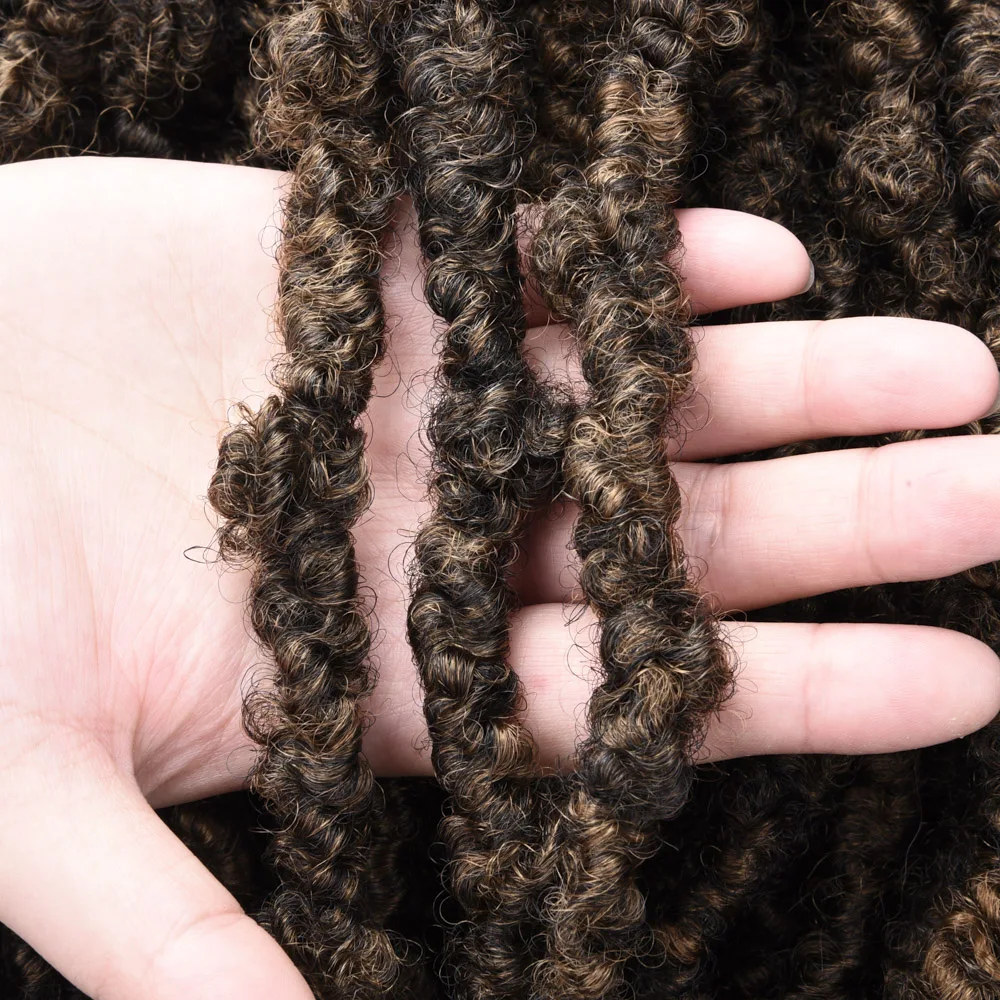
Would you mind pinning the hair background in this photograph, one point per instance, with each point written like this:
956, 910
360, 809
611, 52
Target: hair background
868, 127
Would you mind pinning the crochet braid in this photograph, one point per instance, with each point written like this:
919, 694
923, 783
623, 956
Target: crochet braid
816, 77
495, 438
962, 955
890, 187
818, 877
47, 62
755, 170
877, 816
972, 62
171, 72
292, 481
570, 36
129, 77
761, 167
601, 257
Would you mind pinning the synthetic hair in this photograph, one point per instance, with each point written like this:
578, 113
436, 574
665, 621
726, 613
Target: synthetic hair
155, 78
496, 438
602, 258
292, 481
570, 38
868, 128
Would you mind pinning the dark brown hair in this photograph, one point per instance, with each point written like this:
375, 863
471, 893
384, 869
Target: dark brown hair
868, 127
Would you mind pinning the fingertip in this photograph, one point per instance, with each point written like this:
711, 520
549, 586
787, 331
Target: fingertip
971, 697
910, 373
856, 688
931, 685
989, 384
733, 258
952, 375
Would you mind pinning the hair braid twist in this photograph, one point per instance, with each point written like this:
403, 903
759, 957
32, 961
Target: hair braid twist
129, 77
292, 481
811, 59
601, 257
890, 187
496, 438
169, 74
970, 55
876, 817
48, 64
761, 167
570, 39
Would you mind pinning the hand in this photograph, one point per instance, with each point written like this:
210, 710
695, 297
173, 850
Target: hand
135, 310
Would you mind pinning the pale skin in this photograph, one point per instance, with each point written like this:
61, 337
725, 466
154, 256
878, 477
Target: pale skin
136, 300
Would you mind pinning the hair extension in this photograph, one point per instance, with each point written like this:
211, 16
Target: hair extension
48, 56
890, 188
129, 78
601, 256
969, 52
170, 81
815, 76
878, 813
496, 439
867, 127
571, 39
727, 914
755, 171
292, 481
761, 167
760, 846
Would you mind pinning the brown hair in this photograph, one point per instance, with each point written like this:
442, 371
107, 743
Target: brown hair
865, 126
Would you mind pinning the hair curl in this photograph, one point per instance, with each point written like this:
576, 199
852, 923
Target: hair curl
867, 127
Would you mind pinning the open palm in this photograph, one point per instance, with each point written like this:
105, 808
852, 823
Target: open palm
135, 310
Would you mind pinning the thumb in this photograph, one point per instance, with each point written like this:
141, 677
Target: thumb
94, 881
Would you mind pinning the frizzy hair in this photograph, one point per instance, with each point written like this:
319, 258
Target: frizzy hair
292, 481
868, 128
611, 231
496, 436
126, 78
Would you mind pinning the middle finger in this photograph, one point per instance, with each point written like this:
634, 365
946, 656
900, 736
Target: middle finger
760, 533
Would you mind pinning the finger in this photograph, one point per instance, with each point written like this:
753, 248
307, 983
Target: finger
728, 259
759, 533
765, 384
853, 689
99, 886
801, 688
761, 385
